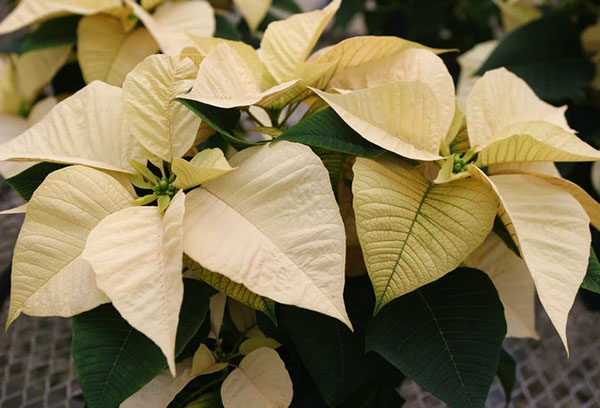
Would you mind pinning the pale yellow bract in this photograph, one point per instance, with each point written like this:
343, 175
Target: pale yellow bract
260, 381
150, 247
165, 127
254, 11
172, 22
513, 283
12, 126
96, 139
31, 11
106, 52
235, 75
413, 232
299, 243
49, 276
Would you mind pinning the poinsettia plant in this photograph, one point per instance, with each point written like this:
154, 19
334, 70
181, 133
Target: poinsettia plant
273, 227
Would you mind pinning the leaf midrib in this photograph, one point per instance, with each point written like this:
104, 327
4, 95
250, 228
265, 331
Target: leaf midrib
401, 252
441, 332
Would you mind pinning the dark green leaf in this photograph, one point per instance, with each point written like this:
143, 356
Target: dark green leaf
333, 355
113, 360
547, 54
591, 281
52, 33
327, 130
26, 182
504, 235
287, 5
333, 162
506, 374
380, 391
446, 336
221, 120
225, 29
347, 11
210, 400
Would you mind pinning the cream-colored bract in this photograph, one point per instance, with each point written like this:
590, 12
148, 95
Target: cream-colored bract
413, 232
36, 68
501, 99
31, 11
413, 64
159, 392
205, 166
288, 43
254, 11
360, 52
226, 79
274, 227
513, 283
49, 278
591, 206
554, 238
165, 127
536, 141
470, 62
136, 255
85, 128
401, 116
172, 21
260, 381
106, 52
12, 126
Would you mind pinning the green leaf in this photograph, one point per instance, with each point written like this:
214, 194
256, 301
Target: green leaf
113, 360
287, 5
506, 374
221, 120
333, 355
547, 54
373, 396
232, 289
52, 33
591, 281
333, 162
446, 336
210, 400
198, 389
327, 130
505, 236
347, 11
225, 29
381, 391
26, 182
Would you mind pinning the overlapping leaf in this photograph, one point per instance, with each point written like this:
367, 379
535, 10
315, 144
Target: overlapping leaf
556, 249
446, 336
136, 255
106, 52
85, 128
49, 277
161, 124
260, 381
274, 227
411, 231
